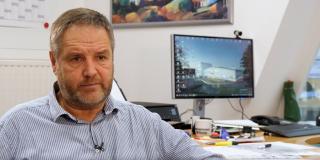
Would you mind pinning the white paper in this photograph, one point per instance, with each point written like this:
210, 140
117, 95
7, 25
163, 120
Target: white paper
23, 13
291, 146
278, 150
245, 154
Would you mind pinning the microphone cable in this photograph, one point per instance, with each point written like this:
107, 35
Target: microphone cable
98, 148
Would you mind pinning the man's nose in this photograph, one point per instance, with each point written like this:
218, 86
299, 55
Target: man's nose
90, 68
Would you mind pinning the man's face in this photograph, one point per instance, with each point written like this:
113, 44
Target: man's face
84, 66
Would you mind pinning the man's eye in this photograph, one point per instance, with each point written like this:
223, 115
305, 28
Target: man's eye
76, 59
102, 57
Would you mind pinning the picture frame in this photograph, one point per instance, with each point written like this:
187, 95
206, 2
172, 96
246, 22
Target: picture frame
145, 13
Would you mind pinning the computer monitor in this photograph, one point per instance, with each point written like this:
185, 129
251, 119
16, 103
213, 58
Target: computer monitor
212, 67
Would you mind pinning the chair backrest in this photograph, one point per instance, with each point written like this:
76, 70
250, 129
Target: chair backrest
116, 92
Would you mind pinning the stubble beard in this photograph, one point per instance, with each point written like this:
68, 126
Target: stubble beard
80, 99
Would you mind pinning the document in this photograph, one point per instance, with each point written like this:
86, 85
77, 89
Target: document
266, 150
236, 153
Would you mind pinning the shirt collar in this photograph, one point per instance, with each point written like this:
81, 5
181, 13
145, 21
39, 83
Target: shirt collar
57, 111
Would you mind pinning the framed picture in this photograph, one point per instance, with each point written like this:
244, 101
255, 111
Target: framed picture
140, 13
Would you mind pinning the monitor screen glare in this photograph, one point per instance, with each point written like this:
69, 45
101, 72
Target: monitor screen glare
212, 67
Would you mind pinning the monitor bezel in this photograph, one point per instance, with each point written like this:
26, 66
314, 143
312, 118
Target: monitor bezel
173, 78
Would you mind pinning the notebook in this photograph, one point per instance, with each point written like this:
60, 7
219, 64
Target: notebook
236, 123
292, 130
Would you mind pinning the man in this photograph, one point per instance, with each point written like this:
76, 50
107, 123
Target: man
78, 119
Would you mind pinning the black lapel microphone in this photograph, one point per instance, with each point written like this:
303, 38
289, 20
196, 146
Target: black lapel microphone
99, 147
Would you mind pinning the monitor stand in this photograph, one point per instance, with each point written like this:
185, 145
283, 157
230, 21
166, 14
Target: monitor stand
199, 107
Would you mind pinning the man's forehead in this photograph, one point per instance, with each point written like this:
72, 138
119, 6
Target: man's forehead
86, 35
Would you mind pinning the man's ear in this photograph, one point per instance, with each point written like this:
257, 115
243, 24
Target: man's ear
53, 61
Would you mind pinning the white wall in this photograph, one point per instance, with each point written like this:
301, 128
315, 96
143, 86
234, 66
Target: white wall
24, 49
32, 43
143, 55
290, 57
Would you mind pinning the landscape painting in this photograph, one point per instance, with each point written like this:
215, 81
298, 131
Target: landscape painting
137, 13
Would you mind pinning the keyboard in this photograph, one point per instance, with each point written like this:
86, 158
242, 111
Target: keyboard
292, 130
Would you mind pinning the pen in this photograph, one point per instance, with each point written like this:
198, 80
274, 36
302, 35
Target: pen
224, 143
264, 146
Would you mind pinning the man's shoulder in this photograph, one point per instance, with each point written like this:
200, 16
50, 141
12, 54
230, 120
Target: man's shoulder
20, 109
131, 109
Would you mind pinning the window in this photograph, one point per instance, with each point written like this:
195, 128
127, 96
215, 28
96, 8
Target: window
309, 99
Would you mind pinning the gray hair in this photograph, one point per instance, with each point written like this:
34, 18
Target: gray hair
78, 16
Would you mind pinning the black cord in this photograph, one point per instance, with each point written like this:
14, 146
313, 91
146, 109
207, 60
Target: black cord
186, 111
91, 135
233, 106
240, 111
95, 145
206, 101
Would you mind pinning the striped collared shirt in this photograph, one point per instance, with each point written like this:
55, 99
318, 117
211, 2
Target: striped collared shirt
41, 129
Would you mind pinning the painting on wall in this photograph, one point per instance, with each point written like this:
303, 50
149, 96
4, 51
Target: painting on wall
137, 13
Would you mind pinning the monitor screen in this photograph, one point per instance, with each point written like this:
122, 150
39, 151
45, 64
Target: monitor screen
212, 67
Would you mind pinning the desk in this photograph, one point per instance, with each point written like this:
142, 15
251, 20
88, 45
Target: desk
295, 140
304, 140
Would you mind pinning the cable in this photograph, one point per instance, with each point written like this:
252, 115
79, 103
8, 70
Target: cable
98, 148
240, 111
233, 106
91, 135
206, 102
186, 111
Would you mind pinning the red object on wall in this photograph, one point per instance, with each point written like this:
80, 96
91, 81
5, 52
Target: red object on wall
46, 25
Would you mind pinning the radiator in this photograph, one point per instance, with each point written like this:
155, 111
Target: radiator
23, 80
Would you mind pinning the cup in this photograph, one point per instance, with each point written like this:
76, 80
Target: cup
203, 127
